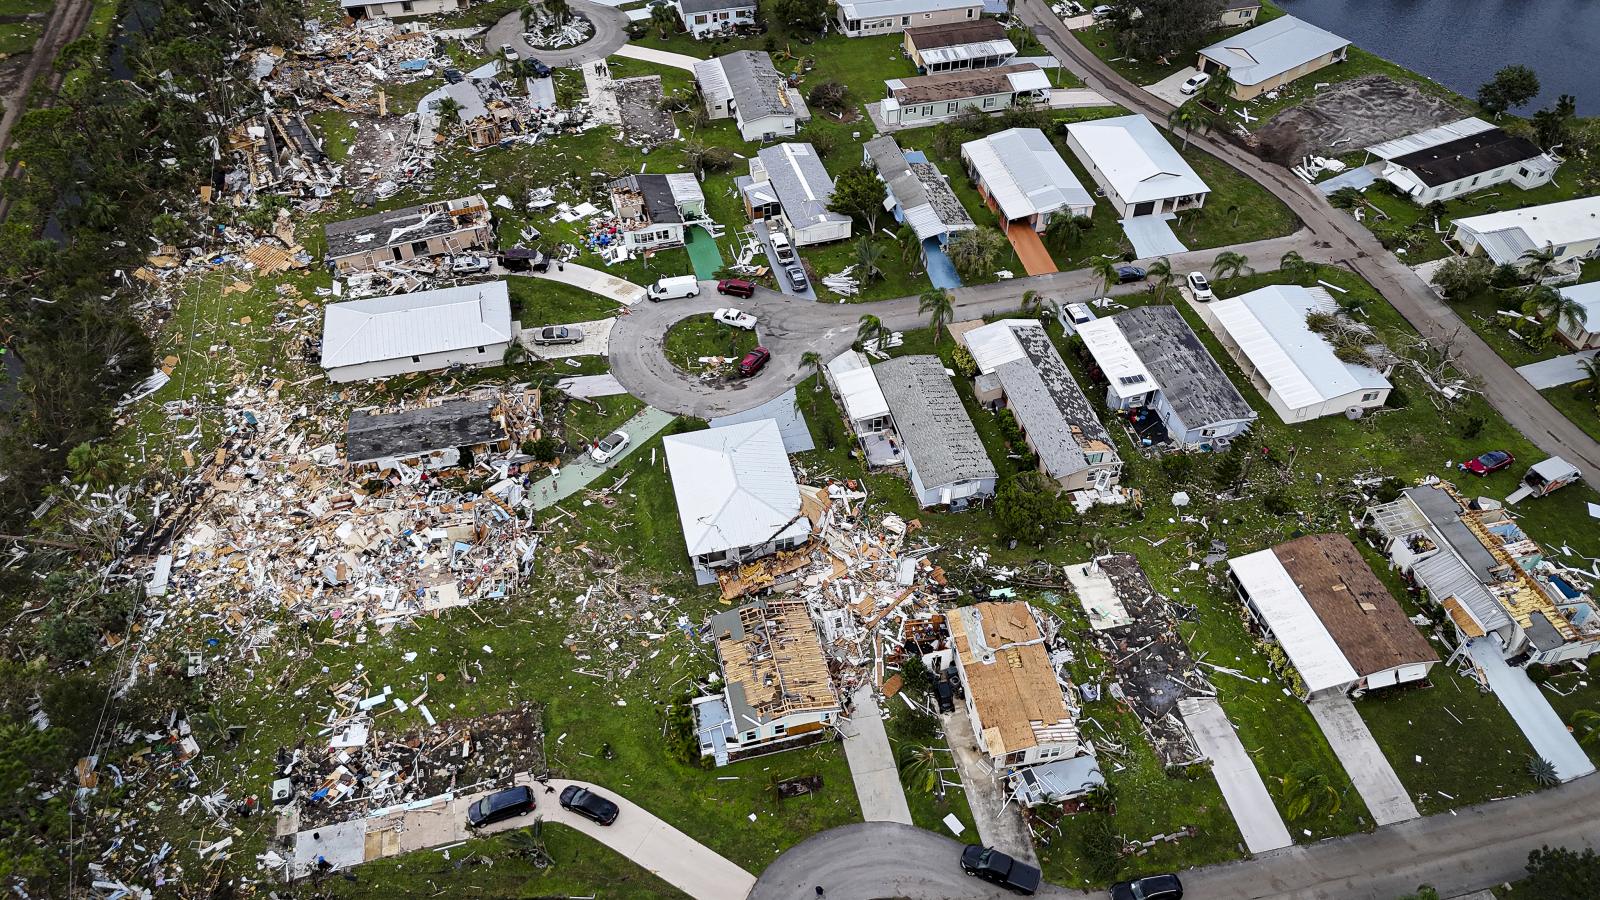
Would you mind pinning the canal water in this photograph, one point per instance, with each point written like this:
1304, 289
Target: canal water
1461, 43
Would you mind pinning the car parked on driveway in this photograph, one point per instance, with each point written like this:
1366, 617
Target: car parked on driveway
797, 277
737, 287
469, 264
1151, 887
781, 247
1200, 287
558, 334
1130, 274
754, 361
735, 318
509, 52
588, 804
1493, 461
609, 447
1195, 83
995, 867
500, 806
540, 70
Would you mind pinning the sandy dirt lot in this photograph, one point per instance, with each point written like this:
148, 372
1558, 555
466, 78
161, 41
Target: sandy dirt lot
1352, 115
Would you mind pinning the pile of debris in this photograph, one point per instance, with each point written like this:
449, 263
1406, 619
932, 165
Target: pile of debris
546, 33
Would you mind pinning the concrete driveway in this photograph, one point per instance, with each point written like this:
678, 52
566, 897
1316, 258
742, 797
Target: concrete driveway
872, 765
610, 32
760, 229
1168, 88
1380, 788
1242, 787
999, 824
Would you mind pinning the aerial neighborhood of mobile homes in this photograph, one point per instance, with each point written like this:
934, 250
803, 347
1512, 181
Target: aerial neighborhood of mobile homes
873, 448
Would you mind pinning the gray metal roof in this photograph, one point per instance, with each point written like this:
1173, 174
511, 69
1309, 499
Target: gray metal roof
801, 182
1050, 406
1444, 514
1444, 576
872, 9
1194, 385
1022, 171
394, 327
1269, 50
396, 226
931, 421
919, 189
689, 7
414, 432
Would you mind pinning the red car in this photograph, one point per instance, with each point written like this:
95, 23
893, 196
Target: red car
1493, 461
736, 287
753, 361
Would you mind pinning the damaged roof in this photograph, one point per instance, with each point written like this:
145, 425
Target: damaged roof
370, 437
1464, 157
402, 226
939, 438
801, 182
968, 83
772, 661
1194, 385
1009, 678
665, 196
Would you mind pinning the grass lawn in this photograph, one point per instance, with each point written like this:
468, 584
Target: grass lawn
589, 420
928, 808
20, 36
493, 867
1581, 410
689, 339
903, 271
539, 301
337, 130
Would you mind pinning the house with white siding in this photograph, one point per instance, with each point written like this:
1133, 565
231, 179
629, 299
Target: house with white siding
790, 187
403, 333
746, 87
400, 9
708, 18
1270, 56
864, 17
1460, 158
1140, 173
1021, 176
1571, 228
926, 99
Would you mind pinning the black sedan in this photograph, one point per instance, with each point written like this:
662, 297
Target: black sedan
1130, 274
1151, 887
588, 804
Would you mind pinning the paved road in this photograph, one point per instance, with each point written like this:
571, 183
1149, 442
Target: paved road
1353, 245
872, 765
610, 32
1457, 853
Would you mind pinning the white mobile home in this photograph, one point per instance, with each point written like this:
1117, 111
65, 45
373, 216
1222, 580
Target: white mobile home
1141, 174
403, 333
863, 17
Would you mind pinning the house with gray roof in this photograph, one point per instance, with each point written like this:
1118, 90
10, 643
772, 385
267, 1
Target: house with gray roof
428, 437
926, 99
709, 18
944, 456
653, 210
1020, 369
790, 187
402, 333
980, 44
1156, 369
1270, 56
747, 88
916, 191
397, 235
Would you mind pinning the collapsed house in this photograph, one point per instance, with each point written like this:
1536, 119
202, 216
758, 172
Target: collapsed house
1019, 369
1019, 710
944, 455
468, 325
1495, 584
737, 497
1340, 628
1164, 379
747, 88
488, 113
429, 229
777, 691
652, 210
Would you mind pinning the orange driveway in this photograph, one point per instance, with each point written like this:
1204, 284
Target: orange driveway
1030, 249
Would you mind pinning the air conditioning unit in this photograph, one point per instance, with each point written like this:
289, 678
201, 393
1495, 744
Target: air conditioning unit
1354, 412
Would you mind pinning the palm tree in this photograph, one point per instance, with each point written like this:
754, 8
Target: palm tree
663, 16
975, 252
871, 329
1538, 264
1233, 210
919, 766
1294, 265
812, 360
529, 844
1032, 304
907, 236
1188, 117
559, 10
94, 465
1308, 790
867, 255
1106, 269
1219, 90
1229, 264
447, 110
940, 307
1589, 385
1064, 231
1587, 723
1161, 275
1555, 310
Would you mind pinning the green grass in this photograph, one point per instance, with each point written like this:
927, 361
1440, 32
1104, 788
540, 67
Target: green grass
903, 270
20, 36
587, 421
539, 301
689, 339
337, 129
1580, 410
491, 867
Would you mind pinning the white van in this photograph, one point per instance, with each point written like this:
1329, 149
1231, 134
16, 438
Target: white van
673, 288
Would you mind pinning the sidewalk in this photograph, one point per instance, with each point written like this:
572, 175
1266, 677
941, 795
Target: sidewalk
659, 57
595, 282
576, 475
872, 765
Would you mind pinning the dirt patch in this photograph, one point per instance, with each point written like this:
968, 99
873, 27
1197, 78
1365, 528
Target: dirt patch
644, 122
1352, 115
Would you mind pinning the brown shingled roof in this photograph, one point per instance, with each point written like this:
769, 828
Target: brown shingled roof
929, 37
1358, 611
957, 85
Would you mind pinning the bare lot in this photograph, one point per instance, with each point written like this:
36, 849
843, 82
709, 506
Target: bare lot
1354, 114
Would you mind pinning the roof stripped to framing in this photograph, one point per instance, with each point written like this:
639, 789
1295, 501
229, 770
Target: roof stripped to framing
772, 660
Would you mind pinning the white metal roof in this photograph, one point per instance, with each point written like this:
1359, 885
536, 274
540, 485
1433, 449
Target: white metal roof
1433, 137
996, 344
863, 399
1269, 50
402, 325
872, 9
974, 50
1587, 296
1104, 340
1022, 171
1553, 224
1554, 469
734, 486
1269, 325
1298, 629
1137, 161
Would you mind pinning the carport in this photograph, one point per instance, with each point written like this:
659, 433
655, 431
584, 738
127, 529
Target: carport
941, 271
1151, 236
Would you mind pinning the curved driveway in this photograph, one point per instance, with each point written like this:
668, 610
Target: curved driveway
610, 32
789, 327
1457, 853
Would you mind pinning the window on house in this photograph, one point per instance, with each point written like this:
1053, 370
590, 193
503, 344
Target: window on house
1523, 171
480, 349
969, 13
1207, 432
950, 108
416, 359
419, 248
988, 102
396, 252
905, 20
1369, 396
749, 736
780, 729
406, 6
700, 19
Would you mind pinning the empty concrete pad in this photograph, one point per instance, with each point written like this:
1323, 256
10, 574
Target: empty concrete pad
1530, 710
1030, 249
1363, 760
1151, 237
786, 411
872, 765
1360, 178
1242, 787
1549, 373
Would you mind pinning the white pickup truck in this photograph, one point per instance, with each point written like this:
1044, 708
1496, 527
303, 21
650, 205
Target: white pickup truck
730, 316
